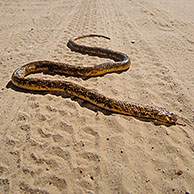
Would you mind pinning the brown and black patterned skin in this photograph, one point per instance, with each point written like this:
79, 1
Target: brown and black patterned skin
121, 63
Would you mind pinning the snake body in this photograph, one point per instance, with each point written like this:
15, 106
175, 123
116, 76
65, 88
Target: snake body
120, 62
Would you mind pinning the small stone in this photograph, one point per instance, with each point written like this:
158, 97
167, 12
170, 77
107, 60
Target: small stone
167, 133
32, 28
173, 189
163, 171
187, 192
132, 41
29, 47
91, 192
180, 172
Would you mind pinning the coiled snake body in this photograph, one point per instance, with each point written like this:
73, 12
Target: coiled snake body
121, 62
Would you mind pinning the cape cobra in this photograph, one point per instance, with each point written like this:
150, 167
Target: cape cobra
120, 62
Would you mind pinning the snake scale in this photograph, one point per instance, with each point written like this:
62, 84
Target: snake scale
120, 62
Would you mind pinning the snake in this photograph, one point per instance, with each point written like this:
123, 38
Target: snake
120, 62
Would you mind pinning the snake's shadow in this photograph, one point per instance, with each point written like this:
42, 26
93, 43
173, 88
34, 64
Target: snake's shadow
82, 103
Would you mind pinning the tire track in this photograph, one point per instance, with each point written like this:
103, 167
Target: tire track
161, 72
165, 68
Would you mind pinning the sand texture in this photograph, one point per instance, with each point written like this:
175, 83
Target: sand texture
52, 143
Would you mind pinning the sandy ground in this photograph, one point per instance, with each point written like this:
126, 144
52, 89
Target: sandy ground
54, 144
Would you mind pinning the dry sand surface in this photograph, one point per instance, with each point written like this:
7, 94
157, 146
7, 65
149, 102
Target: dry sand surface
54, 144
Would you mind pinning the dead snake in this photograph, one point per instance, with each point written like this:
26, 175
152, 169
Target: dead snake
121, 63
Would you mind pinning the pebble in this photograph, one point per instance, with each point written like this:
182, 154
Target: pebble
187, 192
29, 47
167, 133
132, 41
180, 172
91, 192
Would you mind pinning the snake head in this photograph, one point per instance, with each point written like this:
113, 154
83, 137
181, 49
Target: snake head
166, 117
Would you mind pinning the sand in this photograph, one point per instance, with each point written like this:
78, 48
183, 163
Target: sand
56, 144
